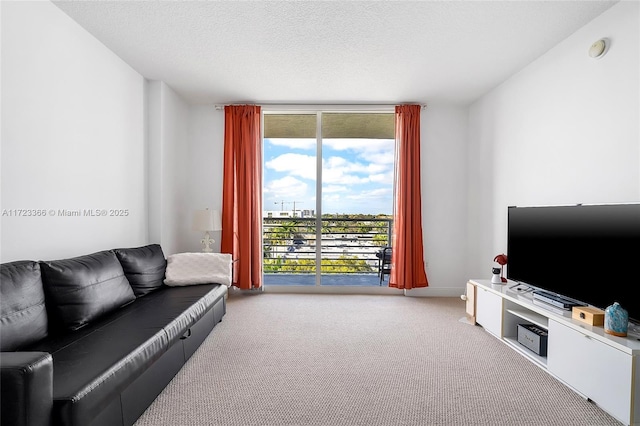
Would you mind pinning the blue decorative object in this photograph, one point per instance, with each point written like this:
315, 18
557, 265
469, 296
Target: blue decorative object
616, 320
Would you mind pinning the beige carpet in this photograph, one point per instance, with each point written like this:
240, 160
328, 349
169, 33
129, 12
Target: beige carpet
286, 359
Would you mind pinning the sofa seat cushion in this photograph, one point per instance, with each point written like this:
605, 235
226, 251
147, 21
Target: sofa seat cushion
179, 308
82, 289
23, 315
94, 364
144, 267
175, 309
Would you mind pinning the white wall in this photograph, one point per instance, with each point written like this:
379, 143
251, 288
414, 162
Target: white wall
73, 138
169, 183
564, 130
206, 139
444, 199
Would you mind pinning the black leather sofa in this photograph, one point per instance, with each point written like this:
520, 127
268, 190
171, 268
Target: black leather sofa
93, 340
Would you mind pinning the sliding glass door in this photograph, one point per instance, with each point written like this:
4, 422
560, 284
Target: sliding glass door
327, 196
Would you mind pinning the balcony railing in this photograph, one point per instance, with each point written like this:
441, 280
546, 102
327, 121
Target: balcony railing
348, 245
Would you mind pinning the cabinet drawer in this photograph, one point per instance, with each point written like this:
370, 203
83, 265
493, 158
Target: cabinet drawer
197, 333
489, 311
596, 370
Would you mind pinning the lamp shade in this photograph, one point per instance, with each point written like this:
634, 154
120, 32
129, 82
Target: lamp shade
207, 220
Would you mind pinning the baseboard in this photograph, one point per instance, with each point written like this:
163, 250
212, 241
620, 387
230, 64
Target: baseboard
436, 292
382, 290
310, 289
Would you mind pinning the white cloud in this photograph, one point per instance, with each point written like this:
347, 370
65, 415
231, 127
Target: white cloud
377, 168
336, 170
333, 188
300, 165
340, 175
376, 151
380, 151
340, 170
386, 178
286, 187
371, 194
360, 145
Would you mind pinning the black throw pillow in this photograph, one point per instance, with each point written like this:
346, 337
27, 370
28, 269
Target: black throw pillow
23, 315
84, 288
144, 267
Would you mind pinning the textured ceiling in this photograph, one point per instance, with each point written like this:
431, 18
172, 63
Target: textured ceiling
336, 52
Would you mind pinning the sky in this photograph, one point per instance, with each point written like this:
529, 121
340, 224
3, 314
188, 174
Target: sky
357, 175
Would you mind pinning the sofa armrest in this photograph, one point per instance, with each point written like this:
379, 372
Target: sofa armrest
26, 388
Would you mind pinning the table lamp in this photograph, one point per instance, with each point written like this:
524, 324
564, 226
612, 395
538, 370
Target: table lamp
206, 221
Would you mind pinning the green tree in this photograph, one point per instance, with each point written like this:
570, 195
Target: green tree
380, 240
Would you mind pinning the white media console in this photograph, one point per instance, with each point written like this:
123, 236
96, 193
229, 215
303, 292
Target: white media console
602, 368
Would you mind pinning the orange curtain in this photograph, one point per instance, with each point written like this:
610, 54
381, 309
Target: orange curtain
241, 194
407, 263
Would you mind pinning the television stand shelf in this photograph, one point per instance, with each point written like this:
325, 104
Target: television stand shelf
602, 368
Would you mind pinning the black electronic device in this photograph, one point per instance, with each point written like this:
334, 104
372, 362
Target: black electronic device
534, 338
587, 253
556, 300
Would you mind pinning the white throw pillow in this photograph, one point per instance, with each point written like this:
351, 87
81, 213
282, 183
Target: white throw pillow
198, 268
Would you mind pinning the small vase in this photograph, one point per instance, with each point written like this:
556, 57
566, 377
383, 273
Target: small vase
616, 320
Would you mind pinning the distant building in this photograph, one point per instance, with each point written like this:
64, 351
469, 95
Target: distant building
283, 214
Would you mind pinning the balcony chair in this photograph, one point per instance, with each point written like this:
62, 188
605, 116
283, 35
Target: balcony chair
384, 262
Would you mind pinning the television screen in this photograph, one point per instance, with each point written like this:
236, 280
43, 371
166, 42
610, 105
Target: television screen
590, 253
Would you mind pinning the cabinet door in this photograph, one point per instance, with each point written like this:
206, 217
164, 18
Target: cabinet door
489, 311
596, 370
471, 301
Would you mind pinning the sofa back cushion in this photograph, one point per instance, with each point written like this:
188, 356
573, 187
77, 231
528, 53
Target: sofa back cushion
144, 267
23, 314
84, 288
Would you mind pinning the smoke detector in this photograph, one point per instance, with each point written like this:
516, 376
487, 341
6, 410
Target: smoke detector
598, 48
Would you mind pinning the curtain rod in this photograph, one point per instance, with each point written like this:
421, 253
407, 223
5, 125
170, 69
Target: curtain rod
314, 107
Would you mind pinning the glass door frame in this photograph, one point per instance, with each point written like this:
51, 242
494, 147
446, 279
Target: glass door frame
318, 110
318, 199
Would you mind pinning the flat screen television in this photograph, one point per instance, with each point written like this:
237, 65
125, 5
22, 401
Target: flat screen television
589, 253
